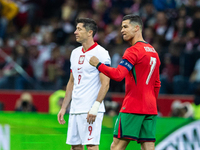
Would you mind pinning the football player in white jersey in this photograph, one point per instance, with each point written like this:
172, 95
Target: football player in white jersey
86, 90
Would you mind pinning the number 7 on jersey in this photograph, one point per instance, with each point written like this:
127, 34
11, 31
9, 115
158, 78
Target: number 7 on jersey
152, 64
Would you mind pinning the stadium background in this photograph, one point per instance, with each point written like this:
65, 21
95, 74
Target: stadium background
36, 39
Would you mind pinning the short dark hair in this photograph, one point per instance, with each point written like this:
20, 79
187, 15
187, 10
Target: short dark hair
88, 24
134, 19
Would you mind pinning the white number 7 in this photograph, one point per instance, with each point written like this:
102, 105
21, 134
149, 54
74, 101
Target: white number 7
152, 64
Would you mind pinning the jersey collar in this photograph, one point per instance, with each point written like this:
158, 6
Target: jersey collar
142, 42
93, 46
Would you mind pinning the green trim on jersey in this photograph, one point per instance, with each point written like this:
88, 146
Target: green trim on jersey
134, 74
141, 41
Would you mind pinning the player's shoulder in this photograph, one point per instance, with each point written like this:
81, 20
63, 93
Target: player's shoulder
77, 49
101, 50
103, 55
144, 47
132, 49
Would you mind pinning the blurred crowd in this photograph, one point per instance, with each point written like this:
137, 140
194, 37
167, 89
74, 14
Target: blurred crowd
36, 39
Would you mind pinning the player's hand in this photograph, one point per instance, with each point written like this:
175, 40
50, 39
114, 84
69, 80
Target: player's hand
61, 116
91, 118
94, 61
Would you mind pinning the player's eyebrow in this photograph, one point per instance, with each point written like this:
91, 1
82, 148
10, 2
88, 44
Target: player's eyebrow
124, 26
78, 28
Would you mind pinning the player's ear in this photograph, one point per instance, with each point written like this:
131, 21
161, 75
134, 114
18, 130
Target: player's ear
137, 27
90, 32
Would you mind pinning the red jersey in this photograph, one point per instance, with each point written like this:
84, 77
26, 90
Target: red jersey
142, 78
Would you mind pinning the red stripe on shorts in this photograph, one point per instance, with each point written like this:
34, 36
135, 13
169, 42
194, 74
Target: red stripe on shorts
119, 129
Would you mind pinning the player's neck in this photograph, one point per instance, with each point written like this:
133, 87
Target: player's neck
138, 37
87, 44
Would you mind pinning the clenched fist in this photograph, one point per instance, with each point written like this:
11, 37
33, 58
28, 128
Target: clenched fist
94, 61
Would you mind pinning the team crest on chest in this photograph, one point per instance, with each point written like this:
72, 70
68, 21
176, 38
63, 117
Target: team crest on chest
81, 59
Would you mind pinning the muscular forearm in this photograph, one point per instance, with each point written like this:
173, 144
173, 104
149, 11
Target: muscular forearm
102, 92
117, 74
68, 95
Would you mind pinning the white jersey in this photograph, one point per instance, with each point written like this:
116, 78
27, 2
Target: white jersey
86, 78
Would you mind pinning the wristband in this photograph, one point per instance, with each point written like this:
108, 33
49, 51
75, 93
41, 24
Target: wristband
98, 65
95, 108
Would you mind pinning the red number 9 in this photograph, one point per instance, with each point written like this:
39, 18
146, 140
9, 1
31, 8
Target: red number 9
90, 130
79, 78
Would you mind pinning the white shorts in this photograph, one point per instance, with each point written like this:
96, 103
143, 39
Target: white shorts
81, 132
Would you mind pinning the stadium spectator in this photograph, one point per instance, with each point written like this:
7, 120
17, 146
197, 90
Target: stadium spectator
134, 8
69, 10
179, 109
25, 103
35, 20
170, 69
55, 101
162, 27
148, 15
149, 35
163, 5
18, 70
21, 57
53, 70
191, 41
196, 103
30, 13
195, 78
112, 107
187, 85
175, 109
8, 10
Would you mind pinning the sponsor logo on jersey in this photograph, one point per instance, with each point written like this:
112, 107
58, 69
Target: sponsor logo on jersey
89, 139
81, 59
79, 68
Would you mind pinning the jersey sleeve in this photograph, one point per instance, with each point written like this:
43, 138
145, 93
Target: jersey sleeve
131, 55
116, 74
71, 58
105, 58
126, 64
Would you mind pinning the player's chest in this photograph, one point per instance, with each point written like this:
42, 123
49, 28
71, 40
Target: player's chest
80, 64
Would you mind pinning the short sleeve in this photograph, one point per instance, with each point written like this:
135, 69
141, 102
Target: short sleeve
105, 58
71, 60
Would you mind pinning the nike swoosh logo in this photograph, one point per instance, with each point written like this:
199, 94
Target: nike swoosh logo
89, 139
79, 68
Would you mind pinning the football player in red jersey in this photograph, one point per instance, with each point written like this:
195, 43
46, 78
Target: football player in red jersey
140, 68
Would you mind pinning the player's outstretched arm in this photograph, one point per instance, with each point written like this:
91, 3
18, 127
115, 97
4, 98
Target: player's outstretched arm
67, 99
117, 74
102, 92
